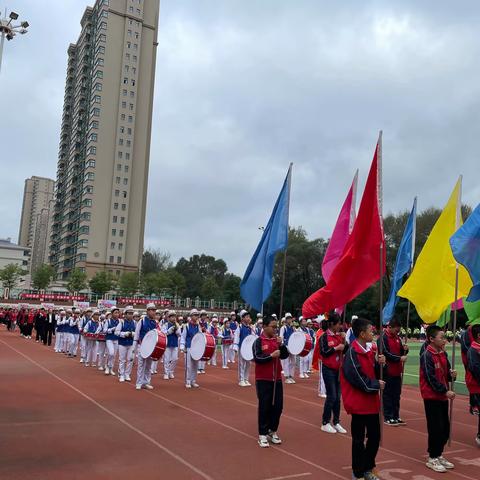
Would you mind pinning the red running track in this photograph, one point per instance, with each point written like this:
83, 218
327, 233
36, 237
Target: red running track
60, 420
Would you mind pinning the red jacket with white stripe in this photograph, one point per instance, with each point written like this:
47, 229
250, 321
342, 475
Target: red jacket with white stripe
359, 380
472, 372
331, 358
434, 374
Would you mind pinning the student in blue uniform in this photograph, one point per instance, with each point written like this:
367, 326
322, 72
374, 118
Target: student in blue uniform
170, 357
125, 332
144, 366
190, 330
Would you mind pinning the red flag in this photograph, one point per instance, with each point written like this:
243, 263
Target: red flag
359, 265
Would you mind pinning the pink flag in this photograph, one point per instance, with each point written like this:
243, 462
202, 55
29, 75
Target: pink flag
341, 232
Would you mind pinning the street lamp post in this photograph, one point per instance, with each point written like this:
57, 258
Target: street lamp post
9, 30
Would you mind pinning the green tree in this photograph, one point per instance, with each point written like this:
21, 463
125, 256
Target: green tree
231, 288
77, 281
42, 277
102, 282
10, 275
128, 283
210, 289
155, 261
148, 284
177, 282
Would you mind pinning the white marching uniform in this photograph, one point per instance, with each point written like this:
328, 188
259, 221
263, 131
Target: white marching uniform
215, 332
191, 366
227, 345
60, 334
111, 343
289, 363
73, 336
101, 346
170, 357
144, 365
90, 343
243, 365
83, 341
125, 331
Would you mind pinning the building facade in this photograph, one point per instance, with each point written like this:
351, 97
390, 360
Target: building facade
102, 173
11, 253
37, 201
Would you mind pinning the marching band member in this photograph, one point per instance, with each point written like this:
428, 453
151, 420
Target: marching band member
59, 334
213, 330
73, 334
90, 343
203, 324
101, 343
233, 327
111, 340
289, 363
190, 330
170, 358
259, 325
144, 365
241, 333
226, 336
125, 331
158, 320
304, 361
83, 341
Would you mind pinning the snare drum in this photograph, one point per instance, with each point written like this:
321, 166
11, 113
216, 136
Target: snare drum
202, 347
246, 350
90, 336
300, 343
101, 337
153, 345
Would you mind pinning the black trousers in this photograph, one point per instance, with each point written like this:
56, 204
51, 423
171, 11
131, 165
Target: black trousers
438, 426
269, 411
39, 329
391, 397
331, 408
28, 329
363, 454
47, 334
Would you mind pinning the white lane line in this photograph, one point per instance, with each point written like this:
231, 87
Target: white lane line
382, 462
121, 420
297, 475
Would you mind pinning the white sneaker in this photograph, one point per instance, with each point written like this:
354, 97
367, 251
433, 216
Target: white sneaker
263, 441
195, 385
446, 463
248, 384
435, 465
165, 377
292, 380
171, 376
81, 360
225, 367
242, 383
322, 395
100, 368
328, 428
107, 371
138, 387
274, 438
339, 428
121, 378
87, 365
127, 378
307, 376
302, 375
148, 387
187, 385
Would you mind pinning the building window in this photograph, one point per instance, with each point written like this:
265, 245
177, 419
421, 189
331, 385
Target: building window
96, 112
135, 59
102, 38
117, 179
115, 218
124, 207
122, 116
127, 156
90, 164
120, 141
126, 68
130, 119
126, 168
99, 74
129, 45
83, 243
97, 99
87, 202
92, 150
94, 124
82, 257
103, 25
134, 71
124, 93
112, 245
125, 80
115, 206
129, 130
120, 154
130, 9
124, 104
93, 137
131, 106
114, 232
104, 13
127, 56
124, 194
121, 233
111, 258
137, 35
135, 46
133, 82
122, 219
88, 189
84, 229
119, 166
117, 193
122, 129
119, 259
129, 33
120, 246
128, 143
100, 49
125, 181
100, 61
86, 216
98, 87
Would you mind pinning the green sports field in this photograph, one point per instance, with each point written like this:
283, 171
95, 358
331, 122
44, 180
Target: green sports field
411, 367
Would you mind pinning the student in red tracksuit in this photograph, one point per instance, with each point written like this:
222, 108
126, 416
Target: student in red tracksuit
361, 397
466, 339
268, 350
396, 356
332, 343
472, 375
435, 375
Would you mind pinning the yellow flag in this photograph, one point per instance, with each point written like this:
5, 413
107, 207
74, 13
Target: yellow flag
431, 286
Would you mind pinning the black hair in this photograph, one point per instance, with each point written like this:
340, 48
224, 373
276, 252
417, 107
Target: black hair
360, 325
475, 331
432, 331
268, 320
394, 322
333, 319
324, 325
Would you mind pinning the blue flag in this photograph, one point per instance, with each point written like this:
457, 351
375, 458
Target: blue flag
403, 264
465, 244
257, 281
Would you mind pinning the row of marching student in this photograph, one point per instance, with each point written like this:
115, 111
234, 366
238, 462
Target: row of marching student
352, 369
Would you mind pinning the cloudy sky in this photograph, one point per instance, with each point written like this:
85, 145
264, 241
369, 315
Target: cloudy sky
243, 87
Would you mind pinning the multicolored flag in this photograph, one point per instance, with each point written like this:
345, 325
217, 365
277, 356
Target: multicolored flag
256, 285
431, 286
403, 263
359, 265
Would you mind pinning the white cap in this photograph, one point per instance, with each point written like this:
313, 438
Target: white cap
136, 314
354, 317
151, 306
96, 312
158, 312
243, 313
274, 315
260, 320
300, 318
233, 313
89, 309
214, 316
288, 315
69, 310
215, 319
309, 321
193, 312
127, 309
259, 315
172, 313
102, 317
203, 312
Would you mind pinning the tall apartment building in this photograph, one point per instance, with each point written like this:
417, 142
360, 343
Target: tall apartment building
102, 174
37, 201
